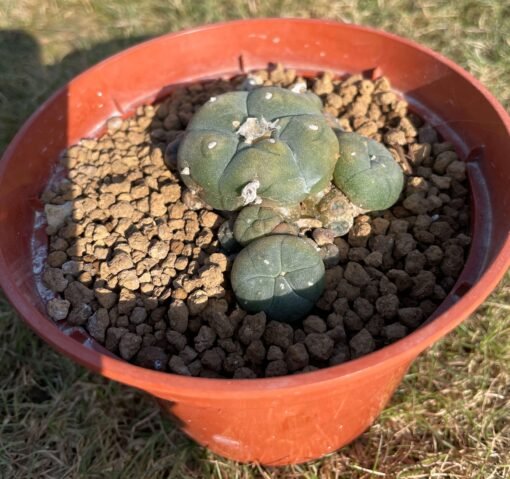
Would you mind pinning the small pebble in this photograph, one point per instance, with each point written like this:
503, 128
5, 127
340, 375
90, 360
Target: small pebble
362, 343
296, 357
256, 352
387, 305
274, 353
129, 345
394, 331
205, 338
314, 324
356, 274
152, 357
279, 334
323, 236
252, 328
178, 315
319, 346
176, 365
276, 368
58, 309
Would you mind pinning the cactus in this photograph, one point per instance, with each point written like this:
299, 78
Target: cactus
367, 173
255, 222
270, 145
336, 212
271, 151
281, 275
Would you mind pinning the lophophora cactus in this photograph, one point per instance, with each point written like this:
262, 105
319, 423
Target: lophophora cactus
269, 145
254, 222
273, 153
280, 274
367, 173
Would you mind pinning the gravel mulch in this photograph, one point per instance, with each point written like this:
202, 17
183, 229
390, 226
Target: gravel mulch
141, 264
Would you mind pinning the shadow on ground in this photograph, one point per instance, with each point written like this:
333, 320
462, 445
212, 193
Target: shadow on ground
25, 82
37, 379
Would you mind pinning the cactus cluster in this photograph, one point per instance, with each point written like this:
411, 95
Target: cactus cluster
271, 154
268, 145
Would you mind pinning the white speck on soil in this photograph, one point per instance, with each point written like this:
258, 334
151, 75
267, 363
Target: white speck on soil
212, 99
212, 144
272, 140
266, 261
39, 258
185, 171
236, 124
298, 87
39, 220
39, 255
56, 215
89, 342
268, 96
313, 127
353, 153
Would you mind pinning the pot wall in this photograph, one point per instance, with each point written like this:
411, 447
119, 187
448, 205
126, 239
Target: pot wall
289, 427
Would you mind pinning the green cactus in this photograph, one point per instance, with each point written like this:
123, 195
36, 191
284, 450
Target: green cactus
281, 275
367, 173
270, 145
255, 222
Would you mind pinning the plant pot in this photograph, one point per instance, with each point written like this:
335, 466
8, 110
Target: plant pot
288, 419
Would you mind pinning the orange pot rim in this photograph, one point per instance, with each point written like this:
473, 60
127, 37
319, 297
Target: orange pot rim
154, 381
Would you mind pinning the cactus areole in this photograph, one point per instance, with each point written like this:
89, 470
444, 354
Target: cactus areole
270, 146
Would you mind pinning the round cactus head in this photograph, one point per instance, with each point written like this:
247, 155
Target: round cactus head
255, 222
270, 144
281, 275
367, 173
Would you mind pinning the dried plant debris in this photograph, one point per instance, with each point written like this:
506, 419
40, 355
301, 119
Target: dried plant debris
143, 265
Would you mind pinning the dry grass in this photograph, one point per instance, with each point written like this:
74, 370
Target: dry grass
449, 418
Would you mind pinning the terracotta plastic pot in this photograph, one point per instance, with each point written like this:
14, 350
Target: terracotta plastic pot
293, 418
